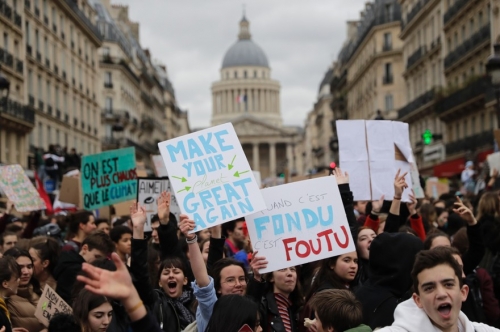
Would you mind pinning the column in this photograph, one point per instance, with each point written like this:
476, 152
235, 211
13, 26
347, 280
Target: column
289, 157
255, 159
272, 159
250, 101
226, 101
214, 103
231, 101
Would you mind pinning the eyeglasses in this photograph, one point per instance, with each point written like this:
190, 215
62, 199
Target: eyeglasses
231, 282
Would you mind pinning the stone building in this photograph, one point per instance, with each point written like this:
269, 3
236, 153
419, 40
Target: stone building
247, 96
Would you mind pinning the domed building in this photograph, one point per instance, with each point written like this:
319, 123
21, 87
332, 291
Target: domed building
247, 96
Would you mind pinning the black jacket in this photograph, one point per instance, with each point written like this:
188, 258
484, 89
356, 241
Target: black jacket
270, 319
70, 264
4, 321
391, 260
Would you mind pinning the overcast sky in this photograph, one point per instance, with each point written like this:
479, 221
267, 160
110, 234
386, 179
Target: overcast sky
300, 38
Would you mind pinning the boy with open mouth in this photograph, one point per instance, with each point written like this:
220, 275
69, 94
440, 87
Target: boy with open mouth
439, 291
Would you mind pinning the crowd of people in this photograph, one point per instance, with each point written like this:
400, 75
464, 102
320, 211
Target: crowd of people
425, 265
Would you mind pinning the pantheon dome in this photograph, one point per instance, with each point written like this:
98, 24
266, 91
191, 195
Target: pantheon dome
249, 98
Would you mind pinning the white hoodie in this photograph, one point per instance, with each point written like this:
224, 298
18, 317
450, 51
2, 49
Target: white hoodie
410, 318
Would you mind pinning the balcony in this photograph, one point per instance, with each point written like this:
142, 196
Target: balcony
37, 11
414, 12
31, 100
29, 49
38, 56
18, 20
480, 37
47, 63
147, 99
415, 57
387, 79
470, 143
49, 110
108, 85
74, 6
110, 143
470, 92
27, 4
19, 66
6, 58
40, 106
147, 122
387, 47
45, 20
19, 112
108, 114
58, 113
5, 10
417, 104
454, 10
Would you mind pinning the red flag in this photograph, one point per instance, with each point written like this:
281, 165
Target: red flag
43, 195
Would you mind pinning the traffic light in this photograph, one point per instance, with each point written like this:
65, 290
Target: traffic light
427, 137
282, 175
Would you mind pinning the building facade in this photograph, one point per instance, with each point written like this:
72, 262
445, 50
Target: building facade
247, 96
375, 86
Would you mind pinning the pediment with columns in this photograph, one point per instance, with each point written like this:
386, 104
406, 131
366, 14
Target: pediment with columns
250, 126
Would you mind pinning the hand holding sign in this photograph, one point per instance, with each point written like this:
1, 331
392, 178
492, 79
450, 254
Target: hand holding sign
341, 177
258, 263
164, 207
186, 226
399, 184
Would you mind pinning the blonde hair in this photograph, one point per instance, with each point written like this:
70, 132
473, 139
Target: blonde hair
489, 204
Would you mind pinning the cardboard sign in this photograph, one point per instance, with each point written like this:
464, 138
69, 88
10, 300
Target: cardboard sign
160, 169
494, 162
70, 191
304, 222
50, 304
372, 152
108, 178
435, 187
211, 177
19, 189
148, 191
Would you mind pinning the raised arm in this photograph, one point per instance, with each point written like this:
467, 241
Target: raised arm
197, 263
347, 197
216, 248
392, 223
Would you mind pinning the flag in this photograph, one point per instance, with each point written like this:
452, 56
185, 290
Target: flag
43, 195
241, 99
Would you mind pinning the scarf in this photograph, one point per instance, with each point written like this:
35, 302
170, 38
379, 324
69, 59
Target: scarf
283, 303
186, 317
3, 307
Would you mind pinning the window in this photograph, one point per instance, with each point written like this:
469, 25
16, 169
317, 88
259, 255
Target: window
455, 40
473, 125
255, 74
471, 27
61, 23
457, 131
54, 54
389, 103
481, 123
388, 11
245, 74
65, 103
48, 93
492, 120
227, 75
107, 78
37, 41
464, 35
480, 19
57, 97
40, 135
57, 136
45, 8
6, 41
30, 82
481, 67
54, 16
387, 73
46, 48
49, 135
109, 104
466, 134
235, 74
108, 131
387, 41
28, 33
40, 88
105, 51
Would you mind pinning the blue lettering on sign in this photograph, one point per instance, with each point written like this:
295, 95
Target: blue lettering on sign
289, 222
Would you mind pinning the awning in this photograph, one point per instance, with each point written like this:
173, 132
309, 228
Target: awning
482, 155
449, 168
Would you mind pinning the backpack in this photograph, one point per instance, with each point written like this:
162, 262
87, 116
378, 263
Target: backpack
50, 230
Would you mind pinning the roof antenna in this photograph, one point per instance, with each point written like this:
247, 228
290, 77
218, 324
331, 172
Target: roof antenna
244, 11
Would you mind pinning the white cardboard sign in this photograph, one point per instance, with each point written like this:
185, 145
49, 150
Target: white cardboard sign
211, 177
304, 222
159, 165
367, 151
148, 191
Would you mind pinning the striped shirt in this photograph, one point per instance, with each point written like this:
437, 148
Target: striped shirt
283, 304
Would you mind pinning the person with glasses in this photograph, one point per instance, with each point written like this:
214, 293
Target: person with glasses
228, 276
279, 294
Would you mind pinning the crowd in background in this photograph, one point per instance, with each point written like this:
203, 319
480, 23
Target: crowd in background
424, 265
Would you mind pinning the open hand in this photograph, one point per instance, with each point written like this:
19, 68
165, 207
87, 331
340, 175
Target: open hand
257, 263
164, 206
412, 205
138, 215
114, 284
341, 177
186, 226
464, 212
399, 184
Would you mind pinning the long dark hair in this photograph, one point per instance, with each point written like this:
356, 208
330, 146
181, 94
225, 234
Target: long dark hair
326, 275
16, 253
231, 312
8, 268
296, 296
172, 262
48, 249
86, 302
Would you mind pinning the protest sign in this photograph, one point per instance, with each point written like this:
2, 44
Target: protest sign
211, 177
304, 222
373, 151
159, 165
50, 304
435, 187
494, 162
148, 191
19, 189
108, 178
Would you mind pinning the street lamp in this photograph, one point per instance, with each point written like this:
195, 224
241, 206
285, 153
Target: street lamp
493, 70
4, 89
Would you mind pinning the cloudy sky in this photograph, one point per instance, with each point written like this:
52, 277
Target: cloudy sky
301, 39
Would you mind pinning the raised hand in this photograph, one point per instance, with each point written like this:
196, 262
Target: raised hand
257, 263
138, 215
412, 205
377, 205
164, 207
341, 177
464, 212
216, 232
399, 184
114, 284
186, 226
